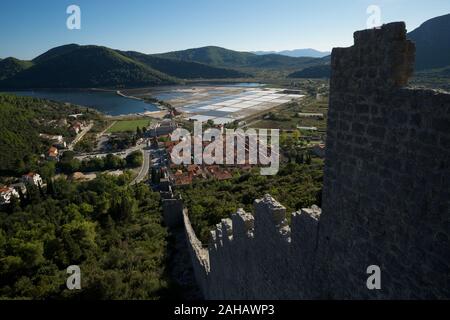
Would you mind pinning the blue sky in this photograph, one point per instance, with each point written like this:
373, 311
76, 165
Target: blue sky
29, 28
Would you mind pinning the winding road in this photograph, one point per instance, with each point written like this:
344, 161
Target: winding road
142, 175
80, 136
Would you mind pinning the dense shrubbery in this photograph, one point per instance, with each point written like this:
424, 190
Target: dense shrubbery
185, 69
21, 121
69, 164
113, 232
88, 67
134, 159
296, 186
122, 141
314, 72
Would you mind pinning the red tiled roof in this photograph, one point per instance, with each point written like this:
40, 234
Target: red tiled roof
5, 189
53, 151
183, 179
223, 175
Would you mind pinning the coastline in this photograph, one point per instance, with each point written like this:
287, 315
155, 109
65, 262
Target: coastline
159, 113
119, 93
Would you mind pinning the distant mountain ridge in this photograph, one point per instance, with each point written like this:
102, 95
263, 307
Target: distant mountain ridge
220, 57
12, 66
76, 66
432, 41
297, 53
184, 69
315, 72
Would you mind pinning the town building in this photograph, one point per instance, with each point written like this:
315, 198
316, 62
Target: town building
6, 194
19, 187
56, 140
307, 128
77, 127
52, 138
318, 116
32, 178
53, 154
166, 127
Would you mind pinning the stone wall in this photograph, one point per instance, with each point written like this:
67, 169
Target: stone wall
387, 176
199, 255
172, 209
385, 199
255, 257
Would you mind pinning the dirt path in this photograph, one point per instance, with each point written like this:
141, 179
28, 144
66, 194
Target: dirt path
80, 136
107, 128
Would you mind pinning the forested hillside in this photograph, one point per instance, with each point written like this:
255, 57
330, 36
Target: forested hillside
22, 119
316, 72
11, 66
221, 57
75, 66
185, 69
432, 40
296, 186
111, 231
85, 67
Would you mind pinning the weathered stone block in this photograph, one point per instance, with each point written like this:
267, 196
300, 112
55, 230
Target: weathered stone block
385, 195
376, 132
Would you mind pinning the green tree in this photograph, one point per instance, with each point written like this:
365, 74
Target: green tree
20, 166
123, 260
71, 166
113, 162
48, 169
134, 159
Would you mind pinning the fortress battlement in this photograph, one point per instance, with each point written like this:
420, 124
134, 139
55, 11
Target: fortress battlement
385, 199
380, 59
269, 221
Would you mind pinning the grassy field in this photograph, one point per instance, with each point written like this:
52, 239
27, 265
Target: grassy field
129, 125
287, 118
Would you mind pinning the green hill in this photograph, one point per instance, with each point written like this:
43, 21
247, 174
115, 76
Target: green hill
184, 69
74, 66
220, 57
55, 52
12, 66
215, 56
22, 119
85, 67
432, 41
18, 137
315, 72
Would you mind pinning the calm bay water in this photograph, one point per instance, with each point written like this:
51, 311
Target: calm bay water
107, 102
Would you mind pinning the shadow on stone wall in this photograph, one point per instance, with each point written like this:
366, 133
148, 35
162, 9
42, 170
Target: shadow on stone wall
385, 199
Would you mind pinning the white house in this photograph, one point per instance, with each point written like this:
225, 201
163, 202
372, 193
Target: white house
6, 195
52, 138
32, 178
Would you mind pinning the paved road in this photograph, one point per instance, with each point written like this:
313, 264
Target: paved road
122, 154
144, 169
80, 136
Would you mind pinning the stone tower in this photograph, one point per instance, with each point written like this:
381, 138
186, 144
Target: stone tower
385, 198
